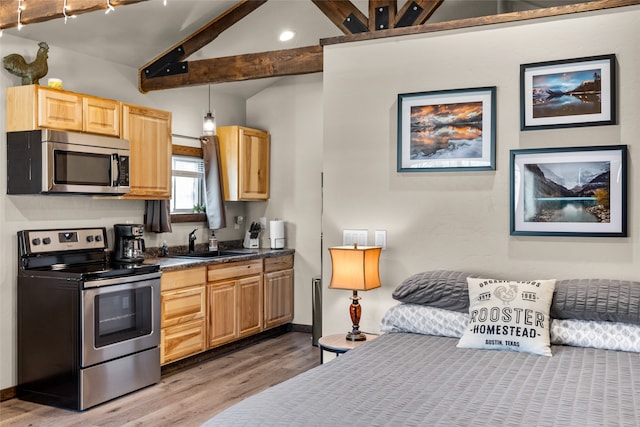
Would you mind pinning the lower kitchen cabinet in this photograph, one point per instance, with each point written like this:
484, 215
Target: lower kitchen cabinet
250, 306
182, 313
278, 291
206, 307
223, 303
234, 293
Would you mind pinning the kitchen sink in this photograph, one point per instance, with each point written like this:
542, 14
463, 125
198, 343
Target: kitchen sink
213, 254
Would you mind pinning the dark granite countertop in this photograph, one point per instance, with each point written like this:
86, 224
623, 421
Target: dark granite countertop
177, 262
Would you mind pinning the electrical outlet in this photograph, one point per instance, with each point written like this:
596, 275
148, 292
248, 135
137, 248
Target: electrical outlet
349, 237
263, 222
381, 239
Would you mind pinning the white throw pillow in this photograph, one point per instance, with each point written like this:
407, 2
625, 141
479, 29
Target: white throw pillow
591, 333
423, 319
509, 315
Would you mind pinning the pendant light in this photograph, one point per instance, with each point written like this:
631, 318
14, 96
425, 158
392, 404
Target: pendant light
209, 122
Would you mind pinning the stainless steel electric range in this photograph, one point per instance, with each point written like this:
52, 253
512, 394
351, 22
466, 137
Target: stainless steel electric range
88, 330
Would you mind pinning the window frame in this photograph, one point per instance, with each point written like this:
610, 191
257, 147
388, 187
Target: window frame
183, 150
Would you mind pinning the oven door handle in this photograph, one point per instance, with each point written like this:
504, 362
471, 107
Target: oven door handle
122, 279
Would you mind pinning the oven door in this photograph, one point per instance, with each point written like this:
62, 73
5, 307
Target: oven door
71, 168
119, 317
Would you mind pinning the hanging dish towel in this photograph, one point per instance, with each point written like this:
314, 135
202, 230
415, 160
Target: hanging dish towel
213, 182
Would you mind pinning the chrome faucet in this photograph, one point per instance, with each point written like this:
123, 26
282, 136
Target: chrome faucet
192, 241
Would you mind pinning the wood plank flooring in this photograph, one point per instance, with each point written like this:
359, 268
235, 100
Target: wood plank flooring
187, 397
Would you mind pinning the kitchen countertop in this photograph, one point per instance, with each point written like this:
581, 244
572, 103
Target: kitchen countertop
175, 262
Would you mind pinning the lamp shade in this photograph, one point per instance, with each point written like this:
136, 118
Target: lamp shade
355, 267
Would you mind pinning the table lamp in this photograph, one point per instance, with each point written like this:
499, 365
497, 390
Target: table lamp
355, 268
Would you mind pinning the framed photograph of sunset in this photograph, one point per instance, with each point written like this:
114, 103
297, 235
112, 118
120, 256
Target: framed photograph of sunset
447, 130
568, 93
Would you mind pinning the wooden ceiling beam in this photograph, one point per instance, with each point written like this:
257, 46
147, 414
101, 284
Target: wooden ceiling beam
482, 21
416, 12
382, 14
168, 62
41, 11
344, 15
213, 29
251, 66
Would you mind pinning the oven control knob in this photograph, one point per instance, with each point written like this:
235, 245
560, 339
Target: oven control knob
46, 240
36, 241
89, 239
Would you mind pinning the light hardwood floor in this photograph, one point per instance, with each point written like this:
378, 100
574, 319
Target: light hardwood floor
187, 397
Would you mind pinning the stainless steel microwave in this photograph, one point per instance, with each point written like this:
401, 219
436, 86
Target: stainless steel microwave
58, 162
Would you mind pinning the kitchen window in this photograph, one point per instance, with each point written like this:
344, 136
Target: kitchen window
187, 185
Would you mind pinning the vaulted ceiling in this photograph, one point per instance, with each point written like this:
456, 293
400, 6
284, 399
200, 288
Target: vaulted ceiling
182, 63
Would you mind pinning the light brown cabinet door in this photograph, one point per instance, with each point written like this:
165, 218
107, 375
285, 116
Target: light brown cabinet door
254, 165
149, 134
249, 306
222, 312
245, 162
59, 110
101, 116
278, 293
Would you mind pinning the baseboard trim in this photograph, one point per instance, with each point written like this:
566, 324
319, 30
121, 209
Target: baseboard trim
296, 327
7, 393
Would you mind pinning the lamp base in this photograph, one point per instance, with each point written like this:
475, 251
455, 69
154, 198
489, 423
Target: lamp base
356, 336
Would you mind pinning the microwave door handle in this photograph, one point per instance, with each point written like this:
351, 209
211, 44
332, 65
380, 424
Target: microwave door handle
115, 170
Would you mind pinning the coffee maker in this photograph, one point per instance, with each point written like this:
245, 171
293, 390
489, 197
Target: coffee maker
129, 243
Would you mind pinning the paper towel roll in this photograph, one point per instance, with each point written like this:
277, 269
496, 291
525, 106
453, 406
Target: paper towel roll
276, 234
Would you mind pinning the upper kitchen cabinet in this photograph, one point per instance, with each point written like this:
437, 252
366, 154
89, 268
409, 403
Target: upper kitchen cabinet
245, 163
34, 107
149, 133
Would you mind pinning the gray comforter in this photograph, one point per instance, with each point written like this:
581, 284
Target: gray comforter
403, 379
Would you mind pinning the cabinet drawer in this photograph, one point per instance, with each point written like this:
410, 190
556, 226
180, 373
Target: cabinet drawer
284, 262
181, 341
183, 278
234, 270
183, 305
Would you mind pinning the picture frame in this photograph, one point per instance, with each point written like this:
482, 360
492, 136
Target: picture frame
447, 130
574, 191
568, 93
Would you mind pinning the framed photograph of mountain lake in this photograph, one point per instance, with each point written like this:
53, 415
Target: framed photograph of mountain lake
569, 191
568, 93
447, 130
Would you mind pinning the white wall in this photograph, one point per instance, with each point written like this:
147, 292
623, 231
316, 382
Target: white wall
460, 220
85, 74
291, 111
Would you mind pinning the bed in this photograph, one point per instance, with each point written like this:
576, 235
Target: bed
421, 372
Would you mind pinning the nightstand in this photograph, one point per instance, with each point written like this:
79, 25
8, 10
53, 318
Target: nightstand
338, 344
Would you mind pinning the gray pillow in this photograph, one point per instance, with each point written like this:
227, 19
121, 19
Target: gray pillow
597, 299
438, 288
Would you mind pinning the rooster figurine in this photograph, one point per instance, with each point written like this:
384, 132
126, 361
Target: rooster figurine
30, 73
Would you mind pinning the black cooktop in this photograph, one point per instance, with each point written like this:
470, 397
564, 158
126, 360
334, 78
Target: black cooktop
92, 271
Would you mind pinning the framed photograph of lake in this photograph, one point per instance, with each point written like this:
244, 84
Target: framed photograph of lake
568, 93
578, 191
447, 130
